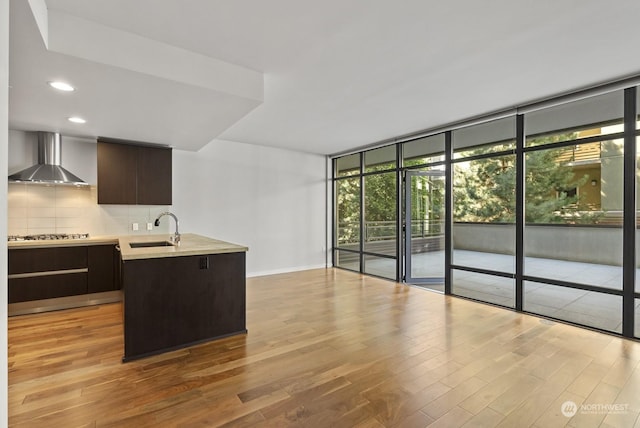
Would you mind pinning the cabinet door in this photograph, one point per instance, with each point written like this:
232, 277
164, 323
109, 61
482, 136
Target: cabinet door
102, 268
27, 260
117, 166
229, 293
47, 287
154, 176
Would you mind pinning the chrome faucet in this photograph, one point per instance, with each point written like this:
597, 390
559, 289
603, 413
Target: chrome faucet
176, 236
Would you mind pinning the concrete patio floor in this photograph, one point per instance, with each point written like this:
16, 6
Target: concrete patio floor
599, 310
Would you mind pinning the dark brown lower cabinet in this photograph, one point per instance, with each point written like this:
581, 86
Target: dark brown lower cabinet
47, 273
173, 302
103, 267
29, 260
46, 287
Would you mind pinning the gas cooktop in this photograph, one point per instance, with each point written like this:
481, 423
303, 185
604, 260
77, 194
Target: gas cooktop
48, 237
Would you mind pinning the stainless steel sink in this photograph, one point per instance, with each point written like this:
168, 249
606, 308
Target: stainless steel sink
150, 244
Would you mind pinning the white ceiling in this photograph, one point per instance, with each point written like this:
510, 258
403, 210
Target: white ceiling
316, 76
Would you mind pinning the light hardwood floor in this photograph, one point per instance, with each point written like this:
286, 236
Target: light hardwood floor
327, 348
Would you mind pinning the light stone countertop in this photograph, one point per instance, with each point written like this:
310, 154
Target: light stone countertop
191, 244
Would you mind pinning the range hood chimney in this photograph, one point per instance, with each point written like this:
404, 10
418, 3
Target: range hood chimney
48, 169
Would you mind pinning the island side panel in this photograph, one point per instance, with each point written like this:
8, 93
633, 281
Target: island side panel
173, 302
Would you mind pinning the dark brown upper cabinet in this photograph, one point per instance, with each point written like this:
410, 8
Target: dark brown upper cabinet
154, 176
133, 175
117, 174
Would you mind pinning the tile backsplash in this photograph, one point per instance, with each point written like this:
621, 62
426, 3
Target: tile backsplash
39, 209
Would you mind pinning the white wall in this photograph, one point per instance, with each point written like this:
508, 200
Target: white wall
4, 126
271, 200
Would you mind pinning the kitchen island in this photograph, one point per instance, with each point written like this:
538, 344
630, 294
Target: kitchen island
179, 295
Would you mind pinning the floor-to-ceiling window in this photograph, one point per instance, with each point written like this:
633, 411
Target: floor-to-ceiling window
380, 212
484, 214
539, 207
573, 211
366, 212
347, 212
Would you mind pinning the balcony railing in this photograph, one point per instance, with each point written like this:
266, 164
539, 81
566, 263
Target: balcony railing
349, 233
582, 153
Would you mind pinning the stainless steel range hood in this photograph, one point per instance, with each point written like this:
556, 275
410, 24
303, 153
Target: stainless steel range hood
48, 169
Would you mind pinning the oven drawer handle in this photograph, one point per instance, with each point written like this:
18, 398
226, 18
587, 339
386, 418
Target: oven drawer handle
47, 273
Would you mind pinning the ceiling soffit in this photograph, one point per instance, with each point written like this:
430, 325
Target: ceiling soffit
221, 93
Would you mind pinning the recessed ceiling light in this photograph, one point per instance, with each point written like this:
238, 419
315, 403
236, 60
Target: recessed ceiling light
62, 86
76, 119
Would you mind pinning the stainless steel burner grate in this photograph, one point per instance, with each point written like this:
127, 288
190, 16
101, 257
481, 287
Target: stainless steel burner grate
48, 237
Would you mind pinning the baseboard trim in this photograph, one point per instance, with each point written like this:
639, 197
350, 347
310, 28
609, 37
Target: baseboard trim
285, 270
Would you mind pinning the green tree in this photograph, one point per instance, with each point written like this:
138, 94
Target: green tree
380, 211
348, 210
427, 204
380, 197
547, 186
484, 189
